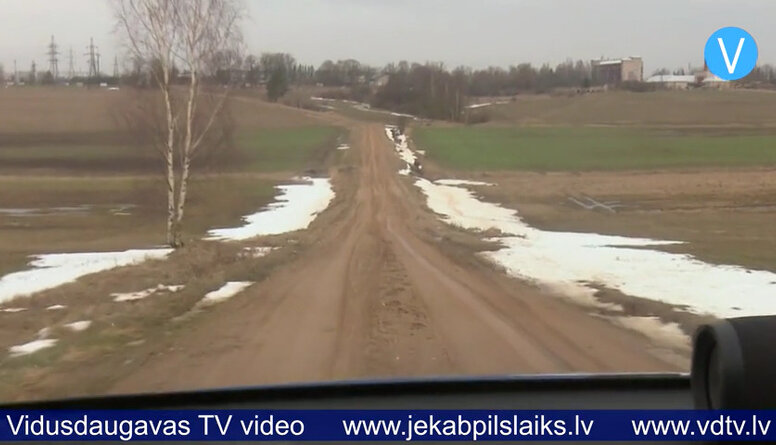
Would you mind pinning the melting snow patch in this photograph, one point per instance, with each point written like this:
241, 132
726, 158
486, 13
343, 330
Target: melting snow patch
56, 307
296, 207
56, 269
13, 310
78, 326
343, 147
575, 262
666, 333
462, 182
139, 295
31, 347
227, 291
256, 252
486, 104
402, 148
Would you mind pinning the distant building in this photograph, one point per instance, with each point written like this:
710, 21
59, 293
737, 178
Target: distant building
712, 81
616, 71
673, 81
381, 81
703, 79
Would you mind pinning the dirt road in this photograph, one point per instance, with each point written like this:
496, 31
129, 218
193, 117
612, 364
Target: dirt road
376, 294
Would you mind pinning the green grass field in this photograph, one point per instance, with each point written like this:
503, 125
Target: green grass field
266, 149
660, 108
592, 148
287, 148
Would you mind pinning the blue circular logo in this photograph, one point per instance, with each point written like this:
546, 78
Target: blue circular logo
731, 53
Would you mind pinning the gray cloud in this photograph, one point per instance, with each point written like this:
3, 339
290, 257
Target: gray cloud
479, 33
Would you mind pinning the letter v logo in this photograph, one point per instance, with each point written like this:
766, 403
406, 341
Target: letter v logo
719, 48
731, 67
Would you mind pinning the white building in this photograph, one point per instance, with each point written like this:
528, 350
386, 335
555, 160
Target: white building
673, 81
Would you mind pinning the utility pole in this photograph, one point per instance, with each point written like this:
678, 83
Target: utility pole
33, 71
94, 60
116, 67
15, 73
53, 53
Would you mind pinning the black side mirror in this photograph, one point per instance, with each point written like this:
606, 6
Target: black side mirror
734, 364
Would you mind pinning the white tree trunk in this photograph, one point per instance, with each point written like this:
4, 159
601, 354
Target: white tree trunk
173, 232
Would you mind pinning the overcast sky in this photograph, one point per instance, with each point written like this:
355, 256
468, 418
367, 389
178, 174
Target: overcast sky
477, 33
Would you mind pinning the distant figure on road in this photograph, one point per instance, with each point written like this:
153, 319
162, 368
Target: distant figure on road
417, 168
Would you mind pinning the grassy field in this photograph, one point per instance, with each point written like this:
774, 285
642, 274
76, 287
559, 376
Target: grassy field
263, 149
693, 166
592, 148
112, 213
662, 108
286, 149
80, 184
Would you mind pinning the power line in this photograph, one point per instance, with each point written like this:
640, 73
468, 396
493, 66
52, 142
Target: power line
53, 53
94, 60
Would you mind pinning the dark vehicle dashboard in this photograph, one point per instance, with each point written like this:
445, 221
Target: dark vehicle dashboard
731, 368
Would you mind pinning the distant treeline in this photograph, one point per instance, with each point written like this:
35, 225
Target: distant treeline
427, 90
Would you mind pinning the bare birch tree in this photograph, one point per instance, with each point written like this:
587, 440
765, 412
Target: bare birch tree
191, 36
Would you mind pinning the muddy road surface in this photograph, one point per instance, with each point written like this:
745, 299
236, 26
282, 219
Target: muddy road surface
376, 294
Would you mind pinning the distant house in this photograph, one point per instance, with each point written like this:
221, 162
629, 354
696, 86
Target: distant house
673, 81
616, 71
712, 81
382, 80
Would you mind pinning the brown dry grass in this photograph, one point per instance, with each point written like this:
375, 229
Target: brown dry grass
724, 216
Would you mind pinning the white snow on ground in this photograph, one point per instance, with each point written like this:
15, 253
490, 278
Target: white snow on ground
256, 252
31, 347
402, 149
296, 207
486, 104
653, 327
13, 310
572, 263
56, 307
145, 293
462, 182
56, 269
225, 292
404, 115
78, 326
343, 147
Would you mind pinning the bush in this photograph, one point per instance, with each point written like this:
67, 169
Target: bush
638, 87
477, 117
